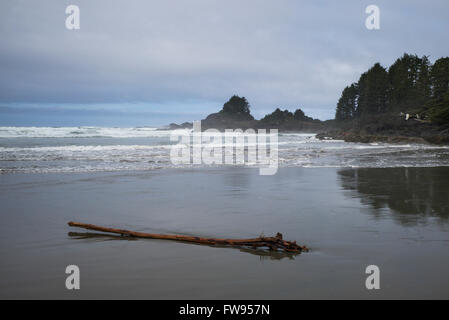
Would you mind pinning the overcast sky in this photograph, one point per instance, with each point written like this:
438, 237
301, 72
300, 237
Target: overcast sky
153, 62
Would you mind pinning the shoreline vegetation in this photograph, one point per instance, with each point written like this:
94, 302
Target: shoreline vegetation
408, 102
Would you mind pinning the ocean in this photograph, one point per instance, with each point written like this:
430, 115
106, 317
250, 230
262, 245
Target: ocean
95, 149
352, 204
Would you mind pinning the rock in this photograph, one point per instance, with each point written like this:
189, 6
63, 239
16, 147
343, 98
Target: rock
174, 126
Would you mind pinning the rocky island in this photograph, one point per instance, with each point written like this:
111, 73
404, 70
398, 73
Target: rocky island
408, 102
236, 114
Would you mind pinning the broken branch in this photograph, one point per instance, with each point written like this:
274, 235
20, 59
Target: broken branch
273, 243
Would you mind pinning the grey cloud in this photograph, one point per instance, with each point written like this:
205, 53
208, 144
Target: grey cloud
276, 53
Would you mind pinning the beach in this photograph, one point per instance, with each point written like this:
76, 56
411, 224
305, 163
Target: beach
211, 157
395, 218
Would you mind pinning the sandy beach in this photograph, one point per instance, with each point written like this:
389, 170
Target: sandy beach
346, 216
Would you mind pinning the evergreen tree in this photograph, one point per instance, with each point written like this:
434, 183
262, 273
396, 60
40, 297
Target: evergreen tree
301, 116
372, 87
236, 105
409, 83
278, 116
347, 104
423, 83
439, 109
440, 77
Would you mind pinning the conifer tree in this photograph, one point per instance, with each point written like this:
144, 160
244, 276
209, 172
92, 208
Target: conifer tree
347, 104
440, 77
372, 87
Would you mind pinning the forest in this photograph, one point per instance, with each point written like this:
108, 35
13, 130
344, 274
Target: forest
410, 87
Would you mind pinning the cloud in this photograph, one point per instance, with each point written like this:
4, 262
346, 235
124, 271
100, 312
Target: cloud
276, 53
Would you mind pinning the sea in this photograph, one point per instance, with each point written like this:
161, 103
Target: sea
354, 205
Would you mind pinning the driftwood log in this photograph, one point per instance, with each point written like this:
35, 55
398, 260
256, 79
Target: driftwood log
272, 243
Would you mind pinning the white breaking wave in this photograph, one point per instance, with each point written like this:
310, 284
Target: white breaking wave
84, 132
78, 149
123, 148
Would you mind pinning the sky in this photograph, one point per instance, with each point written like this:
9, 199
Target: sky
146, 62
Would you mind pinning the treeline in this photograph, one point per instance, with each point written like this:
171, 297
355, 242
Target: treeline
411, 85
279, 116
239, 106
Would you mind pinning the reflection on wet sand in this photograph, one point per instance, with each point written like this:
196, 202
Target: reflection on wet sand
412, 194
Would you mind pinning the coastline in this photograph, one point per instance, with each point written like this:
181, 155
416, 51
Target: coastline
349, 136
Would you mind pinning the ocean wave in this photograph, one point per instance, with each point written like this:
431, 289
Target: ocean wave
82, 148
89, 154
84, 132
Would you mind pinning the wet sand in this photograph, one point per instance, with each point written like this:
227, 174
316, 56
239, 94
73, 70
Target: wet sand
395, 218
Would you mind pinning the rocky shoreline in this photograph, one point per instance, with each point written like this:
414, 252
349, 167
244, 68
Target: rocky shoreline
384, 127
438, 139
438, 136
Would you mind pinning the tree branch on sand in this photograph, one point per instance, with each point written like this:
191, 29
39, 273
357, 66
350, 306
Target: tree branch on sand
272, 243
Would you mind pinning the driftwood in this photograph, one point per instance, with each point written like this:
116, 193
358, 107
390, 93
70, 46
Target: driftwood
261, 253
272, 243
